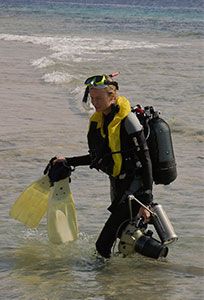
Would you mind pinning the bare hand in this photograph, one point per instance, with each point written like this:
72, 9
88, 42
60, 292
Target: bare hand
144, 213
58, 159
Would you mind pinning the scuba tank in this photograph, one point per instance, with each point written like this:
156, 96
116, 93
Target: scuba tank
158, 137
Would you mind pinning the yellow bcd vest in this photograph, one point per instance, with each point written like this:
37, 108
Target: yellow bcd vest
114, 141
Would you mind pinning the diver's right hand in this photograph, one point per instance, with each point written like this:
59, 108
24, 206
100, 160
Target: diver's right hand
59, 159
58, 169
46, 170
53, 161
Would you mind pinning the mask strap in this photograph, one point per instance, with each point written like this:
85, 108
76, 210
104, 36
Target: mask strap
86, 93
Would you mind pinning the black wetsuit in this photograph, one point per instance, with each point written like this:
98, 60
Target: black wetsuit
135, 178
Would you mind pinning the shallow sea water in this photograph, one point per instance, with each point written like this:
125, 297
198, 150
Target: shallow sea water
43, 65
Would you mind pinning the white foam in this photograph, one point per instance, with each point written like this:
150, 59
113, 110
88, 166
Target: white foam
71, 49
37, 40
42, 62
58, 77
76, 45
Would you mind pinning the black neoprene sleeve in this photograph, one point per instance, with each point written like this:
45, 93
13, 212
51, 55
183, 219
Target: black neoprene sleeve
84, 160
145, 160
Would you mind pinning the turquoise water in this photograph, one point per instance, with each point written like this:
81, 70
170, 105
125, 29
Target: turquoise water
173, 17
47, 51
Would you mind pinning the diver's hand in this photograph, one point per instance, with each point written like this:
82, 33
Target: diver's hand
52, 162
49, 165
58, 169
145, 214
59, 159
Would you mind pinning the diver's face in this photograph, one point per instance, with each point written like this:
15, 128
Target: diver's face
102, 100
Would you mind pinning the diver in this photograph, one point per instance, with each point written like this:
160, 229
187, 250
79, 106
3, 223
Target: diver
117, 147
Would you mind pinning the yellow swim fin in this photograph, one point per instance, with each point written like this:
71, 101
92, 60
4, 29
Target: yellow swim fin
61, 214
32, 203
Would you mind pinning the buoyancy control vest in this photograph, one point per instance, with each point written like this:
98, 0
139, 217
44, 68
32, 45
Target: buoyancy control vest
158, 137
107, 147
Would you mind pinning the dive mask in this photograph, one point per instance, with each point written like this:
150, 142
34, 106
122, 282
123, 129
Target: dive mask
100, 82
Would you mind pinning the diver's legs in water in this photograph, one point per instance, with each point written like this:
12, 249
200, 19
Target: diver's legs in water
112, 227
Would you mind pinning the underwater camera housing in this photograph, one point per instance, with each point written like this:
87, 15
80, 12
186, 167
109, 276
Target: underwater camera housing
135, 237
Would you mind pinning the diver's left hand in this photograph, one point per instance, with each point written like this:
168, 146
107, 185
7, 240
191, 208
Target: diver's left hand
145, 214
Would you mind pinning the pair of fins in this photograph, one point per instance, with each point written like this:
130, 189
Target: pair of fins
39, 198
